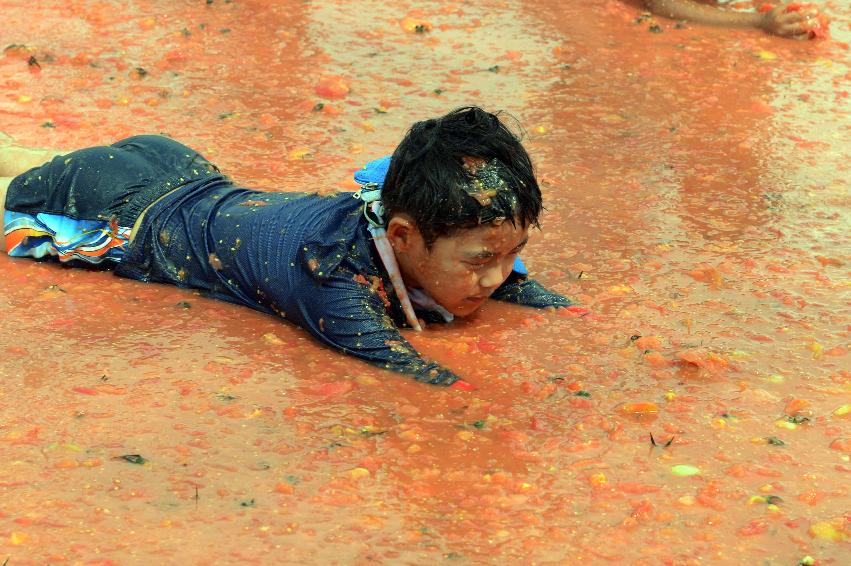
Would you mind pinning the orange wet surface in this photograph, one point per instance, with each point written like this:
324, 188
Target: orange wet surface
698, 204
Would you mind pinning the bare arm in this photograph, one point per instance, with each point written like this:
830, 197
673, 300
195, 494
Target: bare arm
777, 21
702, 13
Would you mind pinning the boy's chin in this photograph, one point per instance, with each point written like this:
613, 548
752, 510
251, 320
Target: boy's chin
467, 307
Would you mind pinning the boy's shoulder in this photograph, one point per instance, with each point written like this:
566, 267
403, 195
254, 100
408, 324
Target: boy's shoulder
287, 207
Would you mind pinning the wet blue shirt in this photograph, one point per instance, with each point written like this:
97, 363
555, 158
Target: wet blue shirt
304, 257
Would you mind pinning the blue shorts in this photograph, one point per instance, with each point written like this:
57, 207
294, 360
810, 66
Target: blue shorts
82, 206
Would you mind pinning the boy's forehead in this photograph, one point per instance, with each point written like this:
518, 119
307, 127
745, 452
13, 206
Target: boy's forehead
490, 237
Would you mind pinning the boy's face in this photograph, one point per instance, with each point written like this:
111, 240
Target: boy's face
462, 270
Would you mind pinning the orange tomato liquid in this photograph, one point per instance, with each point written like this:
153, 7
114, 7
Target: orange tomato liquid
697, 203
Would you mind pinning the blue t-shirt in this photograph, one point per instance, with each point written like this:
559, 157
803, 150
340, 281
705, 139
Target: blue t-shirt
304, 257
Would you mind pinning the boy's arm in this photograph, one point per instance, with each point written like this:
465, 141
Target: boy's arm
351, 317
528, 292
776, 21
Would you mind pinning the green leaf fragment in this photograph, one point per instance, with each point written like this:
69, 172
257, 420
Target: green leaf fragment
370, 431
685, 470
134, 459
774, 441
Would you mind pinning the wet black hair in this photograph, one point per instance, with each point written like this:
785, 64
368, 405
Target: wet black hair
428, 180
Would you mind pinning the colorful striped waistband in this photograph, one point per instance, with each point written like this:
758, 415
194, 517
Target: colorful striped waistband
92, 241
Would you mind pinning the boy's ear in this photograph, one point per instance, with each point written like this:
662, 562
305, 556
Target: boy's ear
402, 232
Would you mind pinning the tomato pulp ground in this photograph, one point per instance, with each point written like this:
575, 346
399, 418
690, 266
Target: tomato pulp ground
696, 186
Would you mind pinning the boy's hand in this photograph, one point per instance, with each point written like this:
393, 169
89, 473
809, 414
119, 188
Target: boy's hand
790, 20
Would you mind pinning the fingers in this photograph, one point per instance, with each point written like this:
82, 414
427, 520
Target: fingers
790, 17
791, 28
796, 31
801, 26
792, 24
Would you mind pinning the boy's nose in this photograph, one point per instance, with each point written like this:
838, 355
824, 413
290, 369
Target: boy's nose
495, 274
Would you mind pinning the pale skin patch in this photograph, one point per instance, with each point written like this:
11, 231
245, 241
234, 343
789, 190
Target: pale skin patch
14, 160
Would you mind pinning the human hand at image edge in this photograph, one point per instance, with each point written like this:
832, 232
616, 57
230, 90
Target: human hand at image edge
794, 20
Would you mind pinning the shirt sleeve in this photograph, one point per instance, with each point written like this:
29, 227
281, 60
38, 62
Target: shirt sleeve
519, 290
348, 312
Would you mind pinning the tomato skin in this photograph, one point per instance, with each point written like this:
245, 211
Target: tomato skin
755, 527
462, 385
333, 87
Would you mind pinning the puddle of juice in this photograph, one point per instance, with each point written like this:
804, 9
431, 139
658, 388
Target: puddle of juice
697, 204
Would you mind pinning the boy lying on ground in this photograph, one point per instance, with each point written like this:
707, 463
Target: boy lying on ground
433, 240
787, 20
